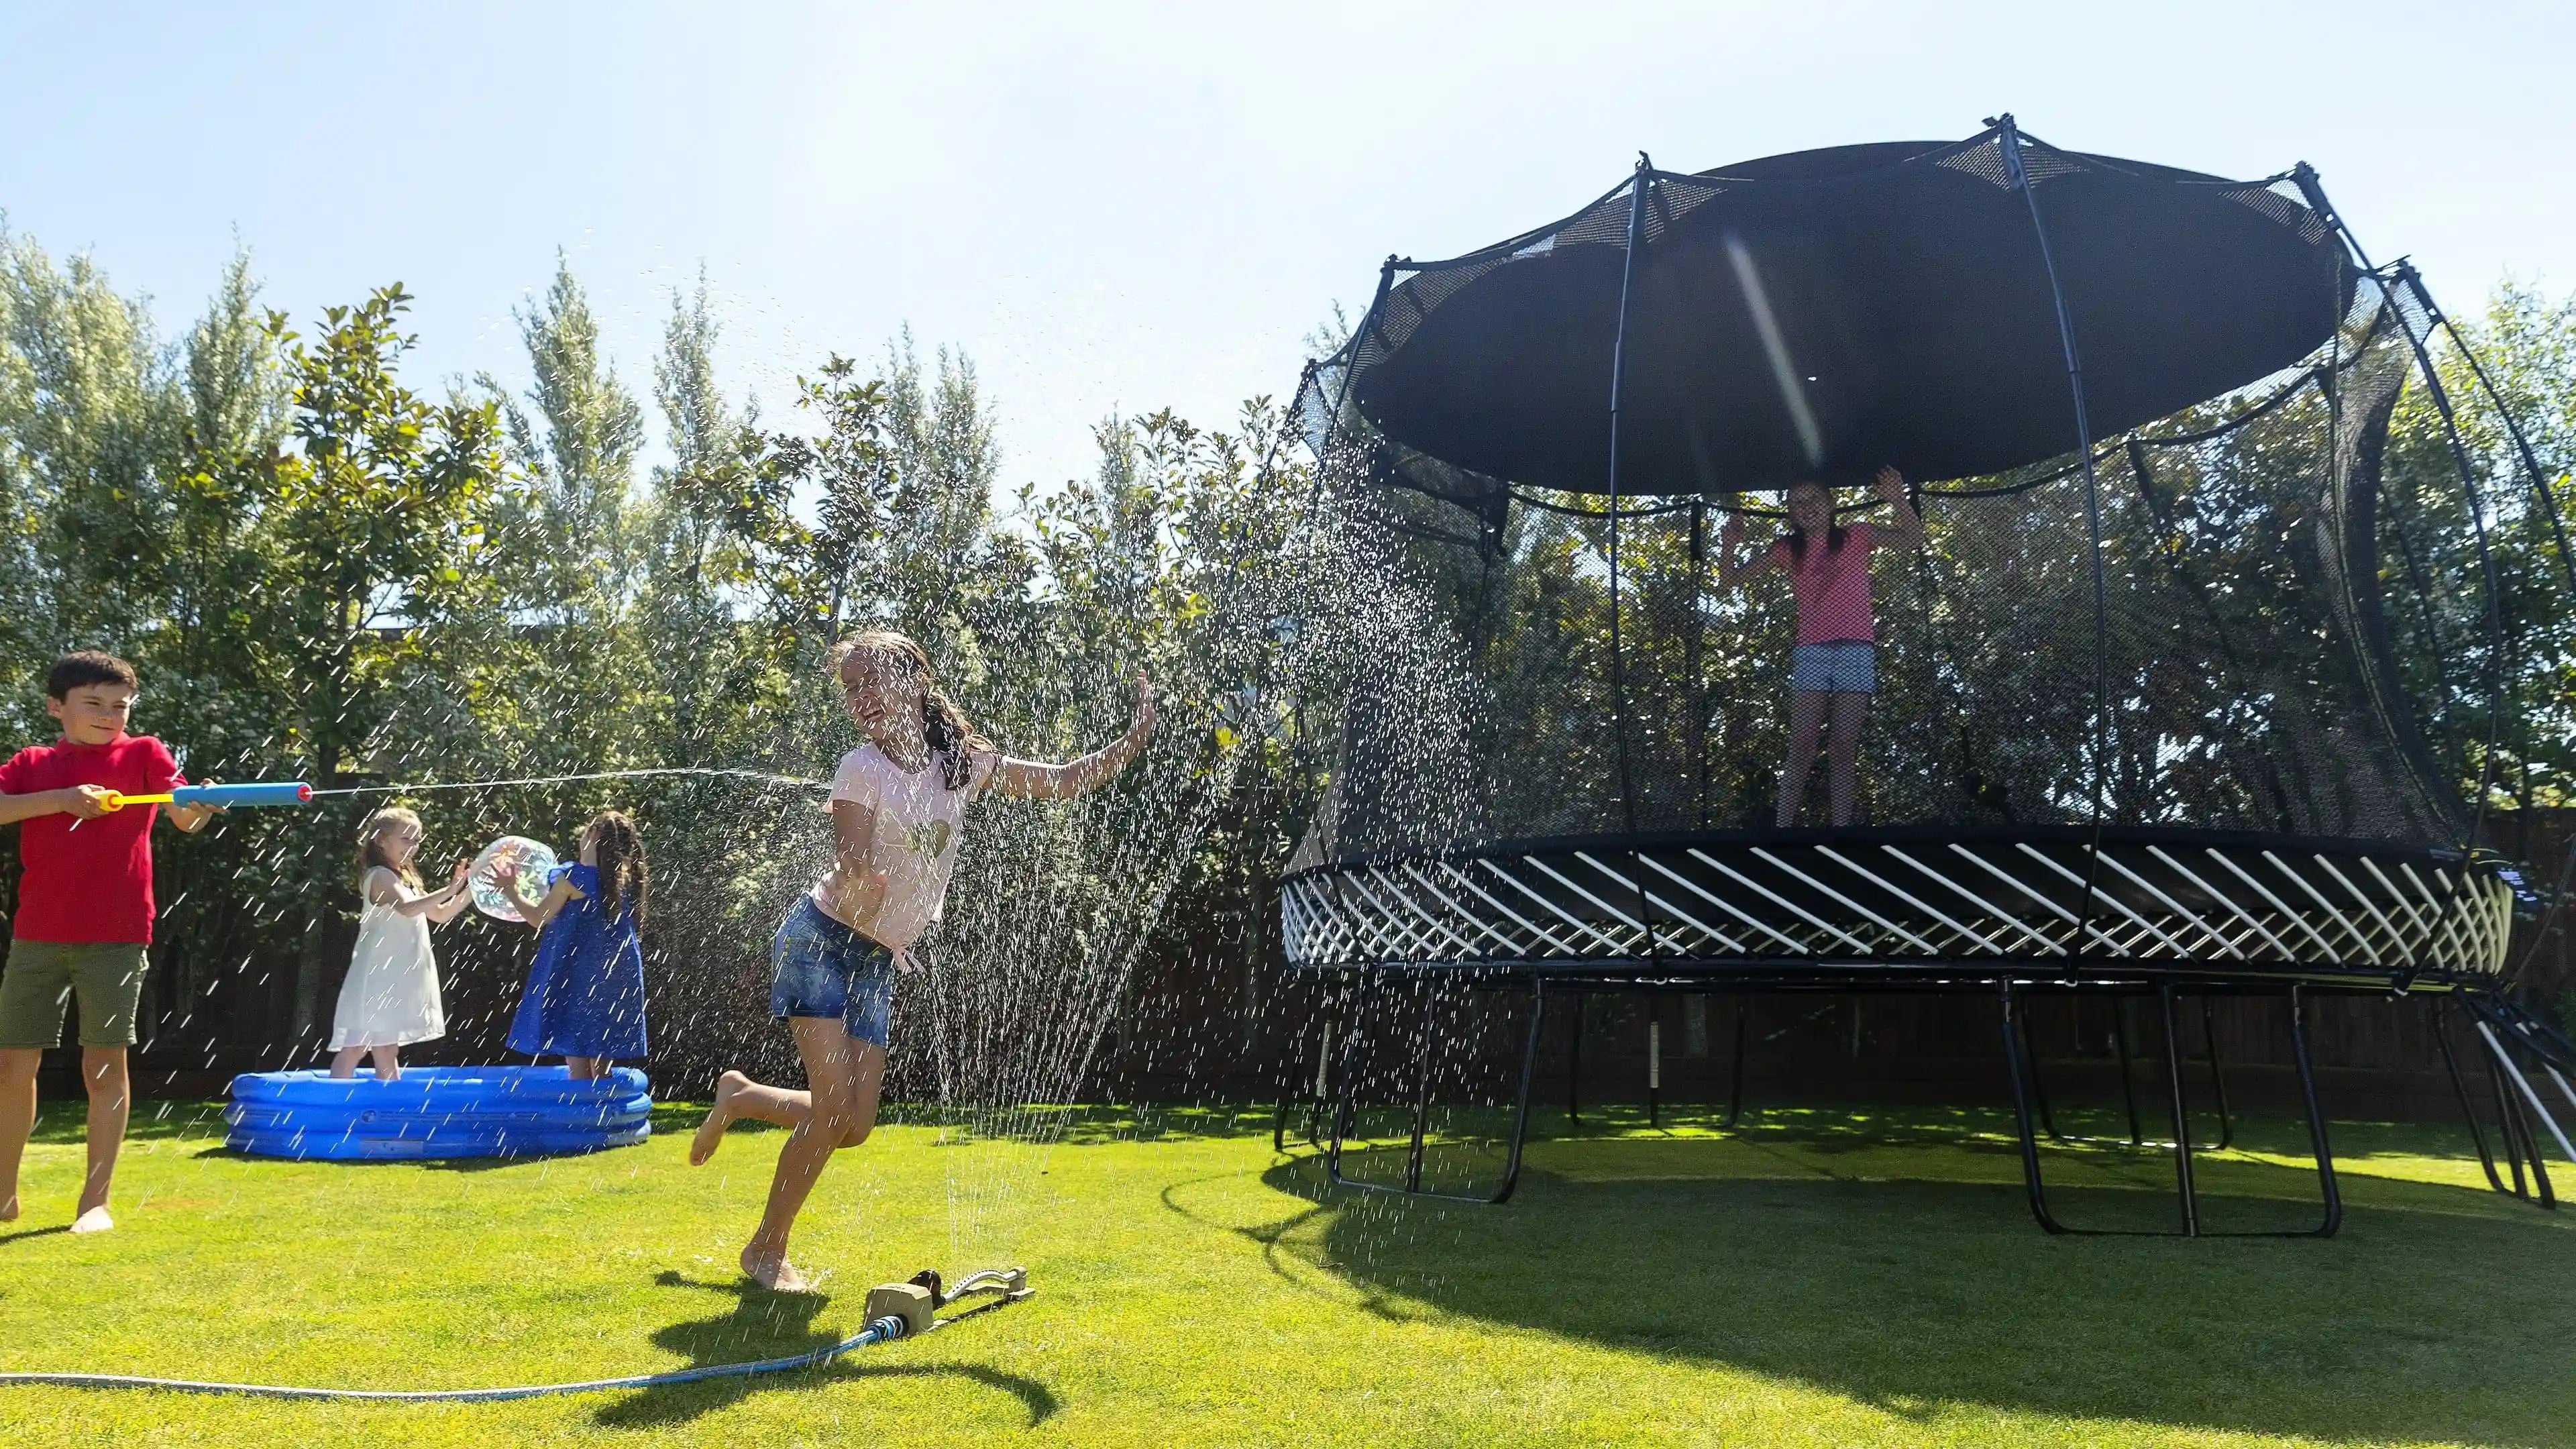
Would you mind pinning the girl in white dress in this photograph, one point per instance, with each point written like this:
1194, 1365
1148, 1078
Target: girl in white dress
391, 996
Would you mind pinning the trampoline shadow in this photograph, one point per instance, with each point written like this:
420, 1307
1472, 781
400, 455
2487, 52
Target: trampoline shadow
2439, 1314
761, 1324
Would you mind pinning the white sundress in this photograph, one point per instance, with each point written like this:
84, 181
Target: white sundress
391, 996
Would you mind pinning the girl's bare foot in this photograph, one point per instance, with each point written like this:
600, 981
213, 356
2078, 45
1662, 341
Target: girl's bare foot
9, 1208
771, 1270
719, 1117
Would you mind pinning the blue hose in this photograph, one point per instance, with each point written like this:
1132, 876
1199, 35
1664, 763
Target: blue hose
883, 1330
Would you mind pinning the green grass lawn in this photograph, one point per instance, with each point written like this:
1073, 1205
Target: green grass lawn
1817, 1278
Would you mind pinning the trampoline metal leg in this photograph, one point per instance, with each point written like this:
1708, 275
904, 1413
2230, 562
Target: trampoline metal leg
2014, 1056
2509, 1129
1574, 1065
1654, 1061
2217, 1074
2128, 1087
2038, 1086
1344, 1110
1735, 1083
2183, 1184
1421, 1097
1521, 1102
2326, 1184
2539, 1108
2460, 1087
1289, 1098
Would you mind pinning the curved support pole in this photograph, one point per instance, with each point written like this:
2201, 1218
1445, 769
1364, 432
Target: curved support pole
1618, 376
2008, 139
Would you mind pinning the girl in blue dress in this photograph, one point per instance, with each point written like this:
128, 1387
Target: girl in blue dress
585, 996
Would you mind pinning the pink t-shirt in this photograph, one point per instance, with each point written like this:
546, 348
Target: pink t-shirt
919, 823
1832, 587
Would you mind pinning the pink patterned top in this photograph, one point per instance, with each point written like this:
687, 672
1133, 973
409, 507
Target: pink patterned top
1832, 587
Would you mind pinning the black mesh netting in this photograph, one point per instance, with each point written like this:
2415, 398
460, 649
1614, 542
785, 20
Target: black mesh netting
2295, 629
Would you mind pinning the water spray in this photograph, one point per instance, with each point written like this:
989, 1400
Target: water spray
894, 1310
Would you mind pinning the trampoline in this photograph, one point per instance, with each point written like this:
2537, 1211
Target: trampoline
436, 1112
2198, 684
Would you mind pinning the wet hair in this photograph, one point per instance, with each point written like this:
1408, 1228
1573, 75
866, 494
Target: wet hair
1834, 533
371, 845
87, 666
943, 724
619, 849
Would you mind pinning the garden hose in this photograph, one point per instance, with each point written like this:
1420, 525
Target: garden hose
1009, 1285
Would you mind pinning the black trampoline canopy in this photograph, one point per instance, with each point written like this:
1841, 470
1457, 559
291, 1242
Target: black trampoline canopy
1909, 315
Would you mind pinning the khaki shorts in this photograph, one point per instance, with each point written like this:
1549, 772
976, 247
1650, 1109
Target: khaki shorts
43, 976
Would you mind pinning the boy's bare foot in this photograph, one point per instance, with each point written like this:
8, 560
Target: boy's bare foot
719, 1117
772, 1271
95, 1220
9, 1208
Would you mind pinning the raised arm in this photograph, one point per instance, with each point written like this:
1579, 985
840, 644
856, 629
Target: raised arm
387, 889
1904, 525
1730, 543
1034, 779
505, 874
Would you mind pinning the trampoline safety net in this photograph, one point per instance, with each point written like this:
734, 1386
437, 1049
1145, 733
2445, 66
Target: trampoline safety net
2270, 609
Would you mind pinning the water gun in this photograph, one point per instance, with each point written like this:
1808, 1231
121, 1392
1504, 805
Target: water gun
275, 792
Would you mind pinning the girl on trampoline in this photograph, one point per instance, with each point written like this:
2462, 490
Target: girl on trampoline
898, 808
1834, 669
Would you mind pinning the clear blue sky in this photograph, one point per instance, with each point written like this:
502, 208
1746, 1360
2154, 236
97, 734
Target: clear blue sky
1115, 209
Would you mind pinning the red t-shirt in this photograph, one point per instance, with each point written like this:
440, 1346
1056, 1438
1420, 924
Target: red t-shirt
94, 883
1832, 587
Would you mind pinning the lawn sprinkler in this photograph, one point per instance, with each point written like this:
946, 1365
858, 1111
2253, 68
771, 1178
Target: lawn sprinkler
916, 1302
894, 1310
222, 797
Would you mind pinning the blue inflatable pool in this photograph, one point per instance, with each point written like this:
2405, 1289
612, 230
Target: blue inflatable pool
436, 1112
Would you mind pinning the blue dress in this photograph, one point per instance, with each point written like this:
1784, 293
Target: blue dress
585, 995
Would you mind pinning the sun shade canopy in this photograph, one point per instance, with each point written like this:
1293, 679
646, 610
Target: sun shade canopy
1825, 313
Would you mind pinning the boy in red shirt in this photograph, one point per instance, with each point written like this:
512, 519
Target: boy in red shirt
84, 909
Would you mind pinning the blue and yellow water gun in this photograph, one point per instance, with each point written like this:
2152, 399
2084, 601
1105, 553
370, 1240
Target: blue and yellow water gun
223, 797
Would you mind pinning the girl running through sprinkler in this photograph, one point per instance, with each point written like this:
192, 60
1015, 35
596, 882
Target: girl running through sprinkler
585, 996
1834, 669
390, 998
898, 811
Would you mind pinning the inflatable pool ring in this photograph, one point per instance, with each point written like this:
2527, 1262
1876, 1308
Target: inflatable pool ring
436, 1112
535, 863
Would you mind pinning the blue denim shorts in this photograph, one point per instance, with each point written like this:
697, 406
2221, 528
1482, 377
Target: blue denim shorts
1846, 666
819, 967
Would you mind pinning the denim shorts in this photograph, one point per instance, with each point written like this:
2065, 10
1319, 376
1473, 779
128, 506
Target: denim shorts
819, 967
1846, 666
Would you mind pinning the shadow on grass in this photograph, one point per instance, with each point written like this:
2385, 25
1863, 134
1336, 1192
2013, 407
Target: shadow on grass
763, 1325
6, 1238
1864, 1263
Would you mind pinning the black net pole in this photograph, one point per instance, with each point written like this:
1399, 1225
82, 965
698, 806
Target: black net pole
1618, 374
2008, 137
2475, 504
2313, 191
